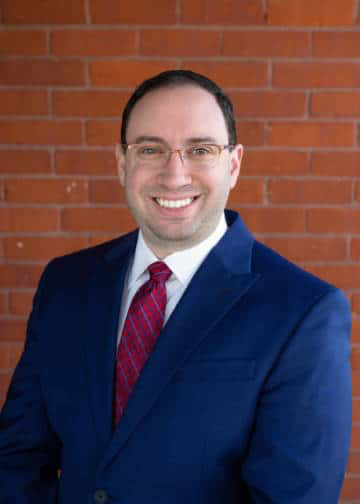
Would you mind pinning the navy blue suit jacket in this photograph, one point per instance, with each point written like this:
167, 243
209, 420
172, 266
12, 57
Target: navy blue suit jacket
246, 397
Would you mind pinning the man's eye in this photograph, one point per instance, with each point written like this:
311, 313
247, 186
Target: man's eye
199, 151
150, 150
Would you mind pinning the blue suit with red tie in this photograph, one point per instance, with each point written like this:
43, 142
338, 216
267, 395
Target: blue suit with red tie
246, 397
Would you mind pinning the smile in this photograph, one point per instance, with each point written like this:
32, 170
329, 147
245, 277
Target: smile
174, 203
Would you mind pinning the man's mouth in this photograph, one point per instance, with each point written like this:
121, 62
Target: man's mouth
165, 203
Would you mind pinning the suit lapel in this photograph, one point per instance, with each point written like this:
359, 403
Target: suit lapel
222, 279
103, 305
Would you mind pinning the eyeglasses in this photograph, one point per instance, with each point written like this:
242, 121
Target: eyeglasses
154, 154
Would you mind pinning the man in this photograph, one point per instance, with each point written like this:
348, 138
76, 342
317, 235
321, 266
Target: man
185, 362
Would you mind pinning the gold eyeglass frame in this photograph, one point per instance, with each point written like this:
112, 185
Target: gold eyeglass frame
180, 152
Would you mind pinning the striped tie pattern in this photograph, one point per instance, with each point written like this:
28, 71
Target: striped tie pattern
142, 327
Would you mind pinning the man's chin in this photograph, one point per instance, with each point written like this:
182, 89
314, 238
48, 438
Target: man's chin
169, 238
173, 239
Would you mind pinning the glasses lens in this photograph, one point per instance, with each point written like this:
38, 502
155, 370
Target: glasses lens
149, 152
201, 153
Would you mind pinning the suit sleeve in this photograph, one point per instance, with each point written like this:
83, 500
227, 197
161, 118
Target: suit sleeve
29, 450
299, 446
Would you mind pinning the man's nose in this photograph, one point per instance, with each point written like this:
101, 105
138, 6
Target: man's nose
176, 153
175, 173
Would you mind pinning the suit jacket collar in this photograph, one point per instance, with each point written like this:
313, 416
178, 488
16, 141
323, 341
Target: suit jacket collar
234, 249
220, 281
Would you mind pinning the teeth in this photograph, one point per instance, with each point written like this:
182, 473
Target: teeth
174, 203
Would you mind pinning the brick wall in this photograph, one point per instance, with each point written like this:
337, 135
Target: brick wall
292, 68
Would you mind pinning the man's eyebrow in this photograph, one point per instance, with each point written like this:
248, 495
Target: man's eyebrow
191, 140
196, 140
146, 138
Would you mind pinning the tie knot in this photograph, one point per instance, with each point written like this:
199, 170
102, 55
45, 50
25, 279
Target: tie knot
159, 272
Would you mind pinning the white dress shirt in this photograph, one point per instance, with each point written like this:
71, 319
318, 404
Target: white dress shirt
183, 265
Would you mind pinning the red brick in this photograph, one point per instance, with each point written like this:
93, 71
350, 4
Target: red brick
41, 132
43, 12
5, 378
32, 219
315, 75
19, 275
355, 335
106, 191
202, 12
127, 73
356, 383
5, 224
310, 191
274, 220
135, 12
37, 248
300, 13
231, 74
180, 43
355, 249
355, 437
85, 162
23, 43
15, 353
344, 276
356, 303
263, 43
89, 103
311, 134
309, 248
46, 191
355, 358
23, 102
97, 219
21, 302
350, 490
357, 191
42, 72
338, 164
24, 161
354, 463
2, 191
5, 214
96, 239
4, 355
3, 303
28, 219
93, 42
247, 191
271, 162
336, 44
338, 104
102, 132
250, 133
12, 330
268, 104
334, 220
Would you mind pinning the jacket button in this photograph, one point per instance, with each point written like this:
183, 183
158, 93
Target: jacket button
100, 497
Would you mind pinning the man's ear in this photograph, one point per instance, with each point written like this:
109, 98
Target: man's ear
120, 163
236, 156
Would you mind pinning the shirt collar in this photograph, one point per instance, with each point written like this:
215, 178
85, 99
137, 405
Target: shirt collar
183, 263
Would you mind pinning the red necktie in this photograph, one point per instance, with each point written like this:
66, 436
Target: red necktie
142, 327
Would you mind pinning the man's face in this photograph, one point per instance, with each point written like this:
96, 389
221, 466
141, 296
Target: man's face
176, 117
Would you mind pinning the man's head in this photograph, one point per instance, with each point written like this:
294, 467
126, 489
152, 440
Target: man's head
178, 78
177, 198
